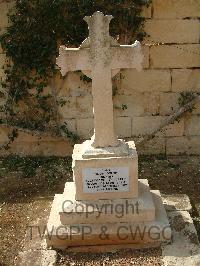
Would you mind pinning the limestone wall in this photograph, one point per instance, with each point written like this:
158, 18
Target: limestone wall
150, 95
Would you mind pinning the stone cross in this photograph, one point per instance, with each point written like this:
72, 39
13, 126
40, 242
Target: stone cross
101, 57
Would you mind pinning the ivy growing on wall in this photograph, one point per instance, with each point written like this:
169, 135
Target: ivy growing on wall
37, 29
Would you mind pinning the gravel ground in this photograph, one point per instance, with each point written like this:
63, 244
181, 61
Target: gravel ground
14, 219
124, 257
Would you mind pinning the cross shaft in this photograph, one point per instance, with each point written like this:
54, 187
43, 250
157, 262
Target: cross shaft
100, 57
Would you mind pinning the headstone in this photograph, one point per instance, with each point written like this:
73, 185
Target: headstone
101, 57
106, 191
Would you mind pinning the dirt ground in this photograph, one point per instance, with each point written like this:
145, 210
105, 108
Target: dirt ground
27, 187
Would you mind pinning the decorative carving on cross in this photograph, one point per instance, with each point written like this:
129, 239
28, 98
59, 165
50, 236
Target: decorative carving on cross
100, 57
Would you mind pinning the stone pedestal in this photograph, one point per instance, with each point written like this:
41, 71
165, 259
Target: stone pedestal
106, 173
106, 203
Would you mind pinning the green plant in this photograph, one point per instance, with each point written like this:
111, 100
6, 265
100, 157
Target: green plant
124, 107
115, 90
85, 78
37, 28
121, 107
69, 134
51, 168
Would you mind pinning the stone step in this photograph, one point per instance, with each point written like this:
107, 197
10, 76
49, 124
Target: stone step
106, 211
155, 232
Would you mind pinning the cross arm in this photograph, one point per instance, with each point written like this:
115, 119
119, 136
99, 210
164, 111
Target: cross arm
72, 59
127, 56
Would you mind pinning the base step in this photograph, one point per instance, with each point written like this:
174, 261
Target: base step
105, 211
146, 233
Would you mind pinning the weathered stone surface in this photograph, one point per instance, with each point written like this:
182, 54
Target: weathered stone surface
137, 104
37, 258
111, 248
45, 148
133, 104
60, 148
151, 103
173, 31
62, 88
90, 152
174, 130
175, 56
84, 106
192, 125
169, 103
145, 80
145, 52
124, 57
101, 57
70, 124
123, 126
141, 209
184, 249
177, 202
145, 125
76, 84
26, 137
176, 8
146, 11
72, 85
68, 109
85, 127
185, 80
162, 233
154, 146
183, 145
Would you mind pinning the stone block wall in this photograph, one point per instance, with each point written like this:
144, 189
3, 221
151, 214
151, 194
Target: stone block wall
144, 99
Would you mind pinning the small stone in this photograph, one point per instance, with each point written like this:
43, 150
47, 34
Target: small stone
179, 202
37, 258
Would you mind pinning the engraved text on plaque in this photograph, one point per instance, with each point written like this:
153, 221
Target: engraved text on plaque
105, 179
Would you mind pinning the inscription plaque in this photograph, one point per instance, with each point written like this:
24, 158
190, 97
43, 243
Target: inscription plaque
105, 179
